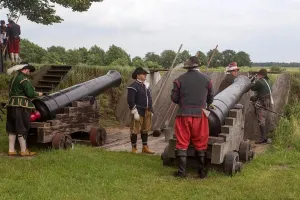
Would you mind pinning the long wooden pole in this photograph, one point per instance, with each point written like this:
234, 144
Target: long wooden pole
210, 59
167, 76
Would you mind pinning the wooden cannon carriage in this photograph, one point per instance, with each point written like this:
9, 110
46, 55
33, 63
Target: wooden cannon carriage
72, 110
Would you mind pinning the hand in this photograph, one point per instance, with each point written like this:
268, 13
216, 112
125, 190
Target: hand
212, 106
136, 115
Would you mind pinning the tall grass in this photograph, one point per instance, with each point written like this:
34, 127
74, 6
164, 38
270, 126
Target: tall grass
287, 133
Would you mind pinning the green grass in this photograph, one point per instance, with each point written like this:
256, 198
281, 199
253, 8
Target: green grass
91, 173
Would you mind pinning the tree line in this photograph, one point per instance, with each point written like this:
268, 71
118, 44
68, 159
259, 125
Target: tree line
276, 64
116, 56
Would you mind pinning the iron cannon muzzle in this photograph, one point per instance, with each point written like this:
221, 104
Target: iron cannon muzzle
50, 104
226, 100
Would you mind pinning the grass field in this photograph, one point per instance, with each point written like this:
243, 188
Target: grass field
93, 173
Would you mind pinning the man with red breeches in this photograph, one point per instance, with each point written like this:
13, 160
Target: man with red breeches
192, 91
13, 33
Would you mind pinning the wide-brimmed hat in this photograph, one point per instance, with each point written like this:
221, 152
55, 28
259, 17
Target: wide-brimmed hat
137, 71
192, 62
263, 72
232, 67
19, 67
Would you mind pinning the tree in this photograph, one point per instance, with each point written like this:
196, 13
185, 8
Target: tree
243, 59
84, 54
31, 52
119, 62
202, 58
152, 65
228, 56
51, 58
114, 53
42, 11
183, 56
167, 57
216, 60
138, 62
60, 53
151, 56
74, 57
95, 56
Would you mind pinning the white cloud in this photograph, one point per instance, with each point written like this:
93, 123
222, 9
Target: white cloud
268, 30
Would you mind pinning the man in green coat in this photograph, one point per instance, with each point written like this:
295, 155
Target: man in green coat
19, 108
263, 98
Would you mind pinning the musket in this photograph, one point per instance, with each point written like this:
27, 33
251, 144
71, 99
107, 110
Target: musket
258, 105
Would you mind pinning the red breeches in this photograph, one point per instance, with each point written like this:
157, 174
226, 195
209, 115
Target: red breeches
192, 129
14, 45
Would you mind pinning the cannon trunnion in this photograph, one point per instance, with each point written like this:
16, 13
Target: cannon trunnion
72, 112
226, 145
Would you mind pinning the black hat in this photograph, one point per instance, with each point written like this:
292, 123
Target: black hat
138, 70
263, 72
192, 62
27, 66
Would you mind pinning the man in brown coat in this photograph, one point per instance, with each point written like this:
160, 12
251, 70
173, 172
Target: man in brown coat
231, 74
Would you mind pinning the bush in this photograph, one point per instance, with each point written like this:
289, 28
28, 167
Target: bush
277, 69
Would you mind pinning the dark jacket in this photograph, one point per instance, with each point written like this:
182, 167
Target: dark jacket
192, 91
226, 82
139, 97
13, 30
261, 88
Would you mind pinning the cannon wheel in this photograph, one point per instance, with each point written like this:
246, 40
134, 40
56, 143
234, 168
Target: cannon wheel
231, 163
98, 136
62, 141
166, 160
244, 151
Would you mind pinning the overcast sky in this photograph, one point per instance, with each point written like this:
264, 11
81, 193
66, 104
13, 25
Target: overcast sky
269, 30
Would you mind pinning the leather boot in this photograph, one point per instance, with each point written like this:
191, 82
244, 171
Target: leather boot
262, 135
144, 136
181, 158
201, 159
133, 139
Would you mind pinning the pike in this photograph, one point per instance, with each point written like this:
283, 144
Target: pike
211, 58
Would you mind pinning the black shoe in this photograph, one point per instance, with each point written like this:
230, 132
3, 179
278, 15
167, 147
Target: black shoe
179, 174
261, 141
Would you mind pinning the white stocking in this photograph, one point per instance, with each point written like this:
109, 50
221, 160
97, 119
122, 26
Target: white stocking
11, 140
22, 143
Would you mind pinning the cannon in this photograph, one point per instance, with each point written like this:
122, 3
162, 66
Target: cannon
70, 111
226, 144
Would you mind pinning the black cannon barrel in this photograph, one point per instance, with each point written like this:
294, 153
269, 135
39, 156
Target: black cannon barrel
48, 105
226, 100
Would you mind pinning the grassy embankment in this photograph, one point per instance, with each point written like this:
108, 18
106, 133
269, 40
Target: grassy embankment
91, 173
